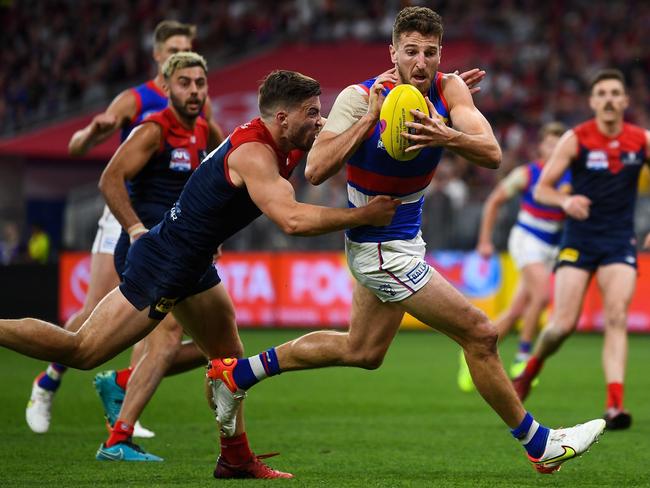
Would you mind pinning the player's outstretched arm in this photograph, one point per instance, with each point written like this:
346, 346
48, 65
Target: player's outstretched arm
254, 165
575, 206
514, 183
471, 136
104, 125
128, 160
333, 148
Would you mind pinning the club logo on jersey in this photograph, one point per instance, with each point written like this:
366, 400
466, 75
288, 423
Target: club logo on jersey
569, 254
417, 273
630, 159
597, 161
387, 289
165, 305
180, 160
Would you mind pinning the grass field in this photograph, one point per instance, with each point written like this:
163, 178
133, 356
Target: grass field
403, 425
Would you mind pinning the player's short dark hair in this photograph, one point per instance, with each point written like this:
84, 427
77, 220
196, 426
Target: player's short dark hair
606, 74
422, 20
552, 129
170, 28
285, 89
183, 60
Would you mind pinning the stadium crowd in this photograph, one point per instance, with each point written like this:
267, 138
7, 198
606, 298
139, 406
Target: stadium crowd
541, 58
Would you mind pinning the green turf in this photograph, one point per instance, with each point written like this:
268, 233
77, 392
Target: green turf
403, 425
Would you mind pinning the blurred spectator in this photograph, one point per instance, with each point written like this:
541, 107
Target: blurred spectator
10, 248
540, 55
61, 55
447, 181
38, 245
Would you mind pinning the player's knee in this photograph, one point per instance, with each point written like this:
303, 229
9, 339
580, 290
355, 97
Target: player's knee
367, 359
616, 318
540, 301
84, 360
484, 337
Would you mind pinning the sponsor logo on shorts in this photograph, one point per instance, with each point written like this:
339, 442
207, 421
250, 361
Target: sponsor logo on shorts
387, 289
417, 273
180, 160
597, 160
630, 259
175, 212
569, 254
165, 305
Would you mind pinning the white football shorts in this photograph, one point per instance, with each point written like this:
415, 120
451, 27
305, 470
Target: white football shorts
393, 270
108, 232
526, 248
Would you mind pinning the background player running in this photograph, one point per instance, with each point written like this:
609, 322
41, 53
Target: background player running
127, 110
532, 244
605, 156
156, 162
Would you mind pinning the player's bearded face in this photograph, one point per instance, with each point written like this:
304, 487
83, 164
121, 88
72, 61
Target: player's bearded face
305, 123
417, 58
188, 91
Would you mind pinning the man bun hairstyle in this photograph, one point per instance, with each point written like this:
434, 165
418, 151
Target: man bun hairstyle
422, 20
187, 59
170, 28
285, 89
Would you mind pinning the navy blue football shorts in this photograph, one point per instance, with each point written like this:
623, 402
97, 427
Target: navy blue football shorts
593, 253
155, 279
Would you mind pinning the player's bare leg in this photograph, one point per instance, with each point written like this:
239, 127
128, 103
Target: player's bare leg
112, 327
570, 288
506, 321
536, 279
617, 283
438, 302
103, 278
503, 324
373, 326
209, 318
440, 305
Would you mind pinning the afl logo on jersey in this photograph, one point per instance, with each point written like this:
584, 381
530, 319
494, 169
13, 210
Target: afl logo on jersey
180, 160
597, 160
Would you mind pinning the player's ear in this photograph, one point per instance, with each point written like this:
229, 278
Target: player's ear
282, 118
393, 54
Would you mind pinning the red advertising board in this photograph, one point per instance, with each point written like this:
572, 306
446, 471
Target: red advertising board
268, 289
315, 289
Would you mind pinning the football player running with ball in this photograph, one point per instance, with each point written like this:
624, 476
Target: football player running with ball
392, 276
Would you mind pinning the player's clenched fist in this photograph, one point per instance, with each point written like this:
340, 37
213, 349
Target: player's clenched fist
380, 210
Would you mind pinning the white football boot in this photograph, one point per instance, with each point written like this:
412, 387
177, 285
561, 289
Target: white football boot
565, 444
38, 411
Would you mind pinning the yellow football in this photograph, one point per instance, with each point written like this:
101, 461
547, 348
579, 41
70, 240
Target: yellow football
395, 113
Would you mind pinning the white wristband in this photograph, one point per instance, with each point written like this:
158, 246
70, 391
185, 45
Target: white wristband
135, 230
